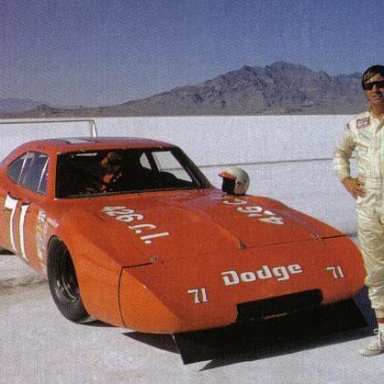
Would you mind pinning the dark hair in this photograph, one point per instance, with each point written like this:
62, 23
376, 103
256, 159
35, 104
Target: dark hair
372, 71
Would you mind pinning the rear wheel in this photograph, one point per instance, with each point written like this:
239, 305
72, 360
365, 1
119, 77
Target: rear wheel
63, 283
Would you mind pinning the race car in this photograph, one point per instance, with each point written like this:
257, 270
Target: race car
130, 232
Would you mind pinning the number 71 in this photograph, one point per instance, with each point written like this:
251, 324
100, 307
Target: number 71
200, 295
11, 204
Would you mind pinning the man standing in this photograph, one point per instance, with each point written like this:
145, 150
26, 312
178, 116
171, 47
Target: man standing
364, 134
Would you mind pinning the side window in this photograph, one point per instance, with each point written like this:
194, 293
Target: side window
14, 169
144, 161
43, 179
168, 164
30, 171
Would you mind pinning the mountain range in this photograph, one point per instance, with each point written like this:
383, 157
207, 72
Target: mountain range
281, 88
14, 105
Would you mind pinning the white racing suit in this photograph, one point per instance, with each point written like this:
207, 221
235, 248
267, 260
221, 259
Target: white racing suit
364, 135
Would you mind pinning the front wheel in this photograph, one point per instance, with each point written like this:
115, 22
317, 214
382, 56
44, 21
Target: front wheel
63, 283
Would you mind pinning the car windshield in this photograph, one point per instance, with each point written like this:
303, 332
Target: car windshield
118, 171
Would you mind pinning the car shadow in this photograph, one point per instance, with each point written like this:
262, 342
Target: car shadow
6, 252
163, 342
259, 349
96, 323
337, 323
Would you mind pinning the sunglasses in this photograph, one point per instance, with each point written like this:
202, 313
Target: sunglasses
369, 86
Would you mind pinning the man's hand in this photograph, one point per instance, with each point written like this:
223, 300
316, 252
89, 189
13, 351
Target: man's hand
354, 186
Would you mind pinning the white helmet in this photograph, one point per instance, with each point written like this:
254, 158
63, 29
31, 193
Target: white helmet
235, 181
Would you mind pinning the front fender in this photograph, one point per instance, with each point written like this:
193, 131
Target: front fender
98, 256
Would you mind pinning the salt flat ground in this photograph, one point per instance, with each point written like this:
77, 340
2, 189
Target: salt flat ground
38, 346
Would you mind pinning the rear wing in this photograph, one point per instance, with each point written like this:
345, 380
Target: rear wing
91, 122
16, 132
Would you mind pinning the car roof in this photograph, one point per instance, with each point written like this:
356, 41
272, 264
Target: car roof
73, 144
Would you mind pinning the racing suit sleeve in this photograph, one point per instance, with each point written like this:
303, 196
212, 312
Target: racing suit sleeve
343, 153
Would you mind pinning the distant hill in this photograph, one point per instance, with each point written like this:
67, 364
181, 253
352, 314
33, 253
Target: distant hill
17, 105
280, 88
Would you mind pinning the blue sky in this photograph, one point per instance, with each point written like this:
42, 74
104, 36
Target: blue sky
104, 52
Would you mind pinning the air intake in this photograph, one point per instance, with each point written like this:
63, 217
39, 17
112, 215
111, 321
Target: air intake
262, 309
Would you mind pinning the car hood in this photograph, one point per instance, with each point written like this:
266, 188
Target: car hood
197, 223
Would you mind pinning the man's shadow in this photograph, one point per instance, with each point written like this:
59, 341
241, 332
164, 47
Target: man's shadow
337, 323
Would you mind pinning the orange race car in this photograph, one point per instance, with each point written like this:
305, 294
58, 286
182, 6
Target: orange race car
130, 232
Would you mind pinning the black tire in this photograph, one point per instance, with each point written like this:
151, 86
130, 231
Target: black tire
63, 283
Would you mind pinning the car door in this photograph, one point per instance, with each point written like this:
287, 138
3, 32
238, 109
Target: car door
23, 194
